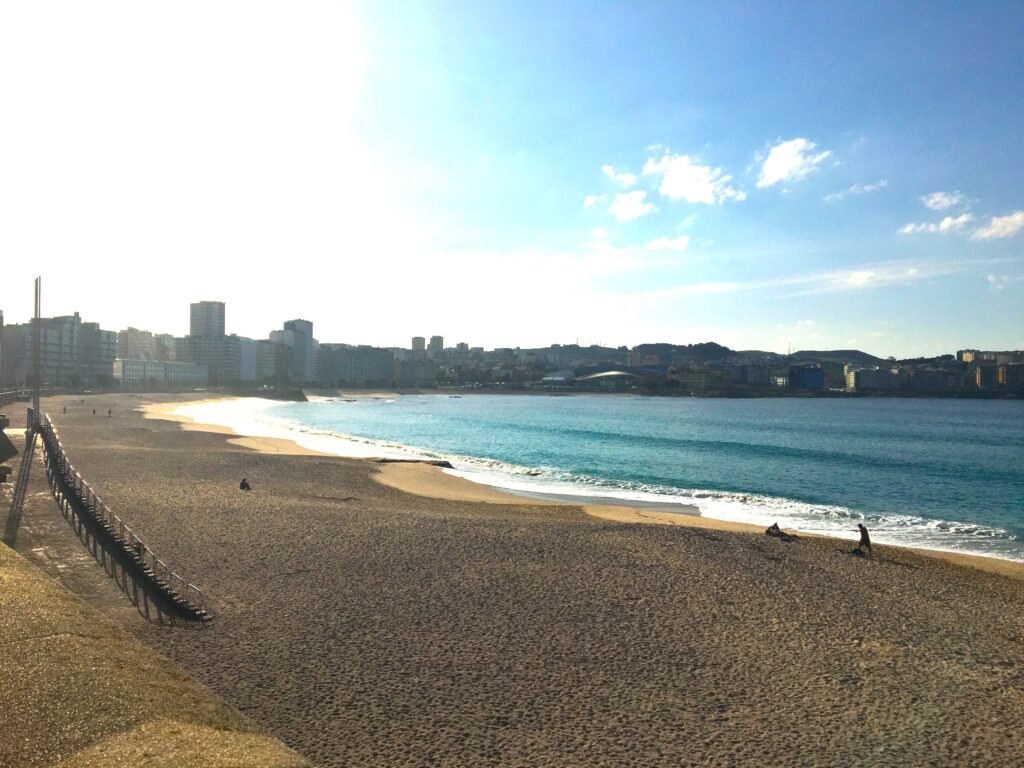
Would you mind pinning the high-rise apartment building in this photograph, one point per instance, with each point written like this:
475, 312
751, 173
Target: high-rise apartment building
419, 344
133, 344
301, 350
436, 345
71, 353
207, 319
206, 343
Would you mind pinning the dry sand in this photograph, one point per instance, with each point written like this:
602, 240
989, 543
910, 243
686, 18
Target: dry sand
77, 691
366, 625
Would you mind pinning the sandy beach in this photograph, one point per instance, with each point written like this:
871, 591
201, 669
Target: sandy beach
372, 614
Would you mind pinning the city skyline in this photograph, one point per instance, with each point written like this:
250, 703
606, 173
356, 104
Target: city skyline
814, 177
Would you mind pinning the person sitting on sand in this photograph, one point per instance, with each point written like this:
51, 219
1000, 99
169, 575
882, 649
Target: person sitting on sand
864, 548
244, 485
774, 530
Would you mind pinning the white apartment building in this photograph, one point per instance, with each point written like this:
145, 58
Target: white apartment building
139, 374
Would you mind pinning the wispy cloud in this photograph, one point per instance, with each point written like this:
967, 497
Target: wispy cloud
790, 161
601, 256
861, 278
857, 189
948, 225
940, 201
625, 179
680, 243
1001, 226
591, 200
684, 179
630, 205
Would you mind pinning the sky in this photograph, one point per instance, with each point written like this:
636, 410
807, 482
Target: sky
763, 175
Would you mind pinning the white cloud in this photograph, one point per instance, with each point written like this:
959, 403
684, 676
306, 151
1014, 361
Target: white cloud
1001, 226
625, 179
630, 205
790, 161
857, 189
682, 179
946, 226
680, 243
591, 200
940, 201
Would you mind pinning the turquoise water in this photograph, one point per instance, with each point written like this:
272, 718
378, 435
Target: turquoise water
945, 474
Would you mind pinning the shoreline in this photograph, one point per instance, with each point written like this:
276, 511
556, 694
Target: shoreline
422, 478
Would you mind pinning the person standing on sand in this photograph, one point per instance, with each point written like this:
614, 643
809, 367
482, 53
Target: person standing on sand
865, 540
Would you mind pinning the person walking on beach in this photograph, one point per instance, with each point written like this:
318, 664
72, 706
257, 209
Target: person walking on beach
109, 411
865, 541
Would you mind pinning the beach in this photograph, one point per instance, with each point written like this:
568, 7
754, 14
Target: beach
370, 614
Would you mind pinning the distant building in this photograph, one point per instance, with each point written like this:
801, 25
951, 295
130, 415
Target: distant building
164, 347
300, 349
999, 358
206, 343
72, 353
808, 376
933, 380
133, 344
97, 350
415, 373
343, 365
436, 346
872, 379
207, 319
1011, 376
419, 344
139, 375
691, 380
986, 376
248, 359
751, 375
220, 355
651, 354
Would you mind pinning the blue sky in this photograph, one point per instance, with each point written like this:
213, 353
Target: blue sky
815, 175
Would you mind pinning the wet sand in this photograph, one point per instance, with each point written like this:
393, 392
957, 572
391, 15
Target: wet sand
365, 624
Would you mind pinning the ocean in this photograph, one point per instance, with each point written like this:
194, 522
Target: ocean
930, 473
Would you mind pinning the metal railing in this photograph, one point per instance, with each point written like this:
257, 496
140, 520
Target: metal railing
14, 396
69, 486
